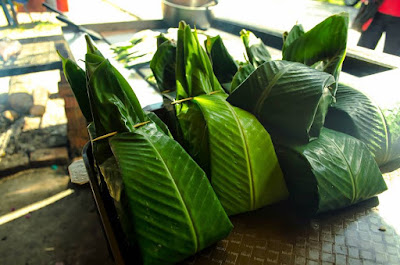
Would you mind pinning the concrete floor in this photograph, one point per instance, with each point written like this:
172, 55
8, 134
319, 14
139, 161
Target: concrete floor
66, 232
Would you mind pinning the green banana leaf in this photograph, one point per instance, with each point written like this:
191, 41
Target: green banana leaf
288, 98
289, 37
223, 64
163, 66
323, 47
109, 172
161, 39
334, 171
245, 173
194, 76
356, 114
193, 129
256, 51
231, 145
110, 93
387, 98
76, 77
159, 123
371, 116
243, 72
194, 72
105, 88
175, 211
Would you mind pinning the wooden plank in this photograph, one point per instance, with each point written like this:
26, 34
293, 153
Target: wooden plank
125, 25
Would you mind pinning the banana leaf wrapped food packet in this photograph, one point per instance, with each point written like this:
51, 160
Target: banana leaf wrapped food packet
228, 143
167, 198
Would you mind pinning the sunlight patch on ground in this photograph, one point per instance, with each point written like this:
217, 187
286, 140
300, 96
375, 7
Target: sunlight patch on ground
34, 207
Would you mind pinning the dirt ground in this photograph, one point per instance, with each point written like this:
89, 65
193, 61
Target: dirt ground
67, 232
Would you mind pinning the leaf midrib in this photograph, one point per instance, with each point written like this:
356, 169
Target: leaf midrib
192, 227
350, 170
247, 155
383, 119
267, 90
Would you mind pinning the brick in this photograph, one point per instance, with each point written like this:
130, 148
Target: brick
49, 156
13, 163
40, 97
31, 124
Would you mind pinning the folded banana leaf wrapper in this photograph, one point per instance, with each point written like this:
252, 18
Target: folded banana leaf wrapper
163, 64
332, 172
165, 196
229, 143
370, 115
324, 169
287, 98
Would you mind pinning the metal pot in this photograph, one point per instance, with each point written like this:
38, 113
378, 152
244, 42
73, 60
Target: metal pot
198, 16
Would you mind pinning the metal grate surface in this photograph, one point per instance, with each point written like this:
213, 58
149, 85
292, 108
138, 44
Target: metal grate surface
367, 233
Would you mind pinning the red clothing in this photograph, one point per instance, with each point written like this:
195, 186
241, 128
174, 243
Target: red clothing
390, 7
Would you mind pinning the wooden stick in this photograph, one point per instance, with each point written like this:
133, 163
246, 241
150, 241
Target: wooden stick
181, 100
104, 136
140, 124
114, 133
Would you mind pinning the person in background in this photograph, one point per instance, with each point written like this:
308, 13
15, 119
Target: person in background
386, 19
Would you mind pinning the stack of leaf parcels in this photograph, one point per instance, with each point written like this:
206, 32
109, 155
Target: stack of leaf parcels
324, 169
165, 202
229, 143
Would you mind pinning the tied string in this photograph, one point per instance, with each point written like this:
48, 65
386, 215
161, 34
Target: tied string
114, 133
190, 98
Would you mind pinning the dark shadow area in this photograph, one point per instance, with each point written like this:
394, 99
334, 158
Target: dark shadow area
72, 234
391, 166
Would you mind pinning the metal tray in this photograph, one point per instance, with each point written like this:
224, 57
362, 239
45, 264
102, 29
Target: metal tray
361, 234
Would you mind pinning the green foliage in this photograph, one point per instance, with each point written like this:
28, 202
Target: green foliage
241, 75
163, 65
323, 47
231, 145
224, 65
175, 211
359, 114
194, 72
165, 204
245, 173
331, 172
287, 98
256, 51
76, 77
